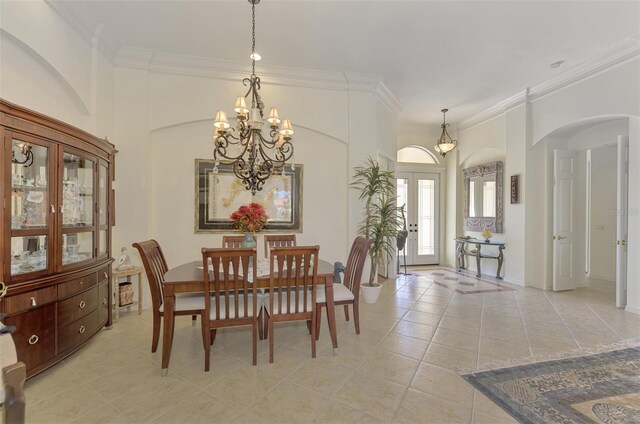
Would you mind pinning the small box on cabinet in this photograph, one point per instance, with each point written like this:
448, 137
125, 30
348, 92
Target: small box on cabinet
126, 293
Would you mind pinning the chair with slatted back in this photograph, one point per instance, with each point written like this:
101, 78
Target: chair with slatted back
155, 266
235, 242
230, 300
283, 240
347, 293
293, 280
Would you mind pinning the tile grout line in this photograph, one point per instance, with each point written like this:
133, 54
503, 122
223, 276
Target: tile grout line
473, 399
526, 336
423, 356
563, 321
603, 321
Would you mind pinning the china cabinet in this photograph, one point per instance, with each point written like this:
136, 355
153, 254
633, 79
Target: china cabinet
55, 234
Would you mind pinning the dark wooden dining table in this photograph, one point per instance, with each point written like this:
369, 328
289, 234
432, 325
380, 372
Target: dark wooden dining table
189, 278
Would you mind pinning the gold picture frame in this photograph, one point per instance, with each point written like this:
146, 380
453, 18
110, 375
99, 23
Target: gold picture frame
218, 195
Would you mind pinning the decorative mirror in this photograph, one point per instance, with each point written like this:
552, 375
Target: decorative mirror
483, 197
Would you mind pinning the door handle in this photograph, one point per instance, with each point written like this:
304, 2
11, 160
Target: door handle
623, 242
559, 237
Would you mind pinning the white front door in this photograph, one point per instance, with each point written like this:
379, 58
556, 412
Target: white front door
564, 165
419, 193
621, 221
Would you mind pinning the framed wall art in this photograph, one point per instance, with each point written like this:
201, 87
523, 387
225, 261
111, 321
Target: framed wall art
514, 189
218, 195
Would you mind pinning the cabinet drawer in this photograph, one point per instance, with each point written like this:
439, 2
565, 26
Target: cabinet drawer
25, 301
76, 286
35, 335
104, 274
103, 302
77, 306
72, 335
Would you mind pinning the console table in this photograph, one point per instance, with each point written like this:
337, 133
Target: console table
126, 273
462, 251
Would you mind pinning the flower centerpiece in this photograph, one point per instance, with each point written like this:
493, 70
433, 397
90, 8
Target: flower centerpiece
249, 219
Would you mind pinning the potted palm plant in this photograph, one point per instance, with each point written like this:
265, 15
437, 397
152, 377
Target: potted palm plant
380, 222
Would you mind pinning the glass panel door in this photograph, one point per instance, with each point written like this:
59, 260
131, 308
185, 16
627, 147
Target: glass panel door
103, 186
30, 205
78, 208
419, 194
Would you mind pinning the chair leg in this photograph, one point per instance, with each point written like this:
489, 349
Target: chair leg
213, 335
204, 330
313, 334
356, 316
193, 320
309, 325
318, 320
346, 312
156, 331
266, 325
270, 331
207, 344
261, 325
255, 343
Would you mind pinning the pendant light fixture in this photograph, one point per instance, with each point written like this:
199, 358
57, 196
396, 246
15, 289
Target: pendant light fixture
445, 143
253, 156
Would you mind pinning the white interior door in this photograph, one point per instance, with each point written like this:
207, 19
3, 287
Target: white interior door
420, 192
564, 165
621, 221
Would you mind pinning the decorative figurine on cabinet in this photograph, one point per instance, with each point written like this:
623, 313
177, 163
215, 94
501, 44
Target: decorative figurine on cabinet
124, 261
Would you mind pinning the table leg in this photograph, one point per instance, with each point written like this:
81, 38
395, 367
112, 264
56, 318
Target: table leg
167, 333
331, 313
500, 260
478, 274
139, 293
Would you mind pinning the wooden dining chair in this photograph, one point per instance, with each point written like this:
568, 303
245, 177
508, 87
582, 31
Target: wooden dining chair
155, 266
293, 280
283, 240
230, 300
235, 242
347, 293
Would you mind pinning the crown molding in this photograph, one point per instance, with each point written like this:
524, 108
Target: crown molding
387, 98
168, 63
627, 50
89, 35
620, 53
495, 110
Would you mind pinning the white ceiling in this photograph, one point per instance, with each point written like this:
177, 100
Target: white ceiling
466, 56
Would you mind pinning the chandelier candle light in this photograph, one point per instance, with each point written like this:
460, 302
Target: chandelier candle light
445, 143
253, 156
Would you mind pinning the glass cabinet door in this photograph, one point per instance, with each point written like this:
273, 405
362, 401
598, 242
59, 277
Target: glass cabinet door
78, 208
103, 187
30, 205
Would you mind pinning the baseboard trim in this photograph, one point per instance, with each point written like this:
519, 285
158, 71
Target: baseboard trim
602, 277
513, 281
632, 310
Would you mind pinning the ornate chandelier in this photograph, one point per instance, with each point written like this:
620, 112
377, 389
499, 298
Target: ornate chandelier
253, 157
445, 143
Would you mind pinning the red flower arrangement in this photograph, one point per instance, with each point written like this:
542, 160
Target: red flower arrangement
250, 218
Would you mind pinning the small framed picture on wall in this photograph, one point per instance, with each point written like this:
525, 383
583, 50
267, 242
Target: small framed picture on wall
514, 188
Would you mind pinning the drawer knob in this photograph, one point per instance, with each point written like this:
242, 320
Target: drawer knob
33, 339
33, 301
81, 329
82, 283
81, 305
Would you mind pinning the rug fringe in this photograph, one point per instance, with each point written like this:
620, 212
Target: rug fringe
508, 363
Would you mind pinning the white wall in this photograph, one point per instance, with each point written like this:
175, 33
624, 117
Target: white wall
603, 213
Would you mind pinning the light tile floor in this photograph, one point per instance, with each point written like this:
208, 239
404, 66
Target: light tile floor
401, 368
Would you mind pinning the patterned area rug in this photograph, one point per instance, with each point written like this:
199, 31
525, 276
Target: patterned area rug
600, 388
461, 282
